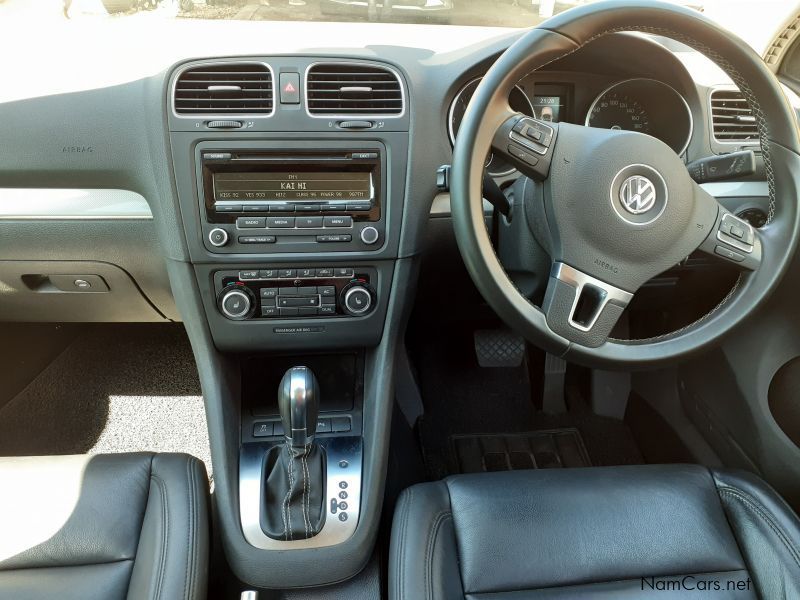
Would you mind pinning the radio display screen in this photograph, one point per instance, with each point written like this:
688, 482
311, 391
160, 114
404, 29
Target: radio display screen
293, 185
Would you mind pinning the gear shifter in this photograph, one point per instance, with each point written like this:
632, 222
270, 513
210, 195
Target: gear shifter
295, 484
298, 402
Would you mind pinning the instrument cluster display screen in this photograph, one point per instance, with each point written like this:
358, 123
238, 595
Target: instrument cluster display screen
293, 185
547, 108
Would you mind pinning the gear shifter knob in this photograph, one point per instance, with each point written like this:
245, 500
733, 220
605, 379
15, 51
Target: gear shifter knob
298, 401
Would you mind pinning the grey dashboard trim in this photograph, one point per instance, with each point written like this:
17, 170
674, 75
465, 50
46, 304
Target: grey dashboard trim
351, 117
226, 116
72, 203
736, 189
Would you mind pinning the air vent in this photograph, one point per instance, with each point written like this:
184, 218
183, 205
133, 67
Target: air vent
732, 117
224, 89
353, 90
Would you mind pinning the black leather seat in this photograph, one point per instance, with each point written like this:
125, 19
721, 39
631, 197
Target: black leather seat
120, 526
619, 532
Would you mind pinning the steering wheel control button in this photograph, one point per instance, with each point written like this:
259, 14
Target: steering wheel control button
369, 235
639, 194
522, 155
729, 254
218, 237
736, 232
532, 134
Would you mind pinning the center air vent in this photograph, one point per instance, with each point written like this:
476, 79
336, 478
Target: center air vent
732, 117
225, 89
353, 90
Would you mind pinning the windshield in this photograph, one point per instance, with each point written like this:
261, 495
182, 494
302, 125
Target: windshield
756, 21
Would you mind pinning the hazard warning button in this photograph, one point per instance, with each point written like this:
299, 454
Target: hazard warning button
290, 88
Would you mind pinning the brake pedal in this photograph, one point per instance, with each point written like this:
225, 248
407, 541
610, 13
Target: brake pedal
499, 348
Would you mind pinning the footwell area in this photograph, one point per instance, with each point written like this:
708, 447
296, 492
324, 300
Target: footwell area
535, 450
115, 388
475, 414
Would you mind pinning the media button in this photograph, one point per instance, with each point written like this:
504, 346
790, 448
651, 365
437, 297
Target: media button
278, 222
338, 221
250, 222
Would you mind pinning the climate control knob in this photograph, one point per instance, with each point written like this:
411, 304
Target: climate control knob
357, 299
236, 302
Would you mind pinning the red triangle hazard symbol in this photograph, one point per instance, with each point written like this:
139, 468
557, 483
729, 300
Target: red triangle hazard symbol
289, 88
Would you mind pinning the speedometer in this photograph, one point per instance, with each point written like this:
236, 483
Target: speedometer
644, 106
518, 102
619, 111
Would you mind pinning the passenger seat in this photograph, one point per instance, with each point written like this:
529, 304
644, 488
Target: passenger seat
117, 526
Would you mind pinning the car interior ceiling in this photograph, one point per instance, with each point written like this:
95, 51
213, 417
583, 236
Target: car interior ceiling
495, 313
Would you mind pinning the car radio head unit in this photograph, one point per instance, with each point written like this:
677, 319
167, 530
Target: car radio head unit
252, 183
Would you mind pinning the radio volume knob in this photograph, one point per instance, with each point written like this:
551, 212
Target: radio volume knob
357, 300
369, 235
218, 237
236, 302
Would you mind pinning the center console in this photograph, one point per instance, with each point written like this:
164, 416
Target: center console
290, 174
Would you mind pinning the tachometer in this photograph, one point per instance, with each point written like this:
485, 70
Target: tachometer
517, 100
645, 106
619, 111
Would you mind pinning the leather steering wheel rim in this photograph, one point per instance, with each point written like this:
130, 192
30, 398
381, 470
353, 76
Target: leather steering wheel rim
558, 37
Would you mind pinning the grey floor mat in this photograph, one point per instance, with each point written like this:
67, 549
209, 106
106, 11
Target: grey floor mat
116, 388
554, 448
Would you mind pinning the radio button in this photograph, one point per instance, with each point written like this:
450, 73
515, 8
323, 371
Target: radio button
338, 221
287, 273
327, 290
336, 237
268, 274
256, 239
359, 207
279, 222
308, 222
282, 208
325, 272
329, 309
305, 273
344, 272
250, 222
228, 208
245, 275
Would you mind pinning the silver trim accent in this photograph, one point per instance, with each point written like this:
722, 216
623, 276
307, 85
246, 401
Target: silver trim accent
353, 290
355, 117
224, 116
737, 189
67, 204
228, 313
334, 531
618, 83
727, 88
642, 199
614, 204
450, 132
579, 280
371, 229
211, 239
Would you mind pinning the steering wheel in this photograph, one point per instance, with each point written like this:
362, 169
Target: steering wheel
618, 208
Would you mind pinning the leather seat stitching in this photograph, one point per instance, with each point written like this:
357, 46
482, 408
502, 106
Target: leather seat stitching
403, 536
440, 518
165, 524
761, 511
188, 582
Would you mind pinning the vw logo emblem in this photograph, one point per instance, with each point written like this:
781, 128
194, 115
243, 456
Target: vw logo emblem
637, 194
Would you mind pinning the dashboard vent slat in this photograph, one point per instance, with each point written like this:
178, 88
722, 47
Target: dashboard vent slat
732, 117
212, 90
350, 89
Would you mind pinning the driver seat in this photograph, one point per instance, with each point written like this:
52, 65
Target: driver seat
666, 531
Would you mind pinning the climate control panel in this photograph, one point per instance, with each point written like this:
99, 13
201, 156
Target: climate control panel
292, 293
